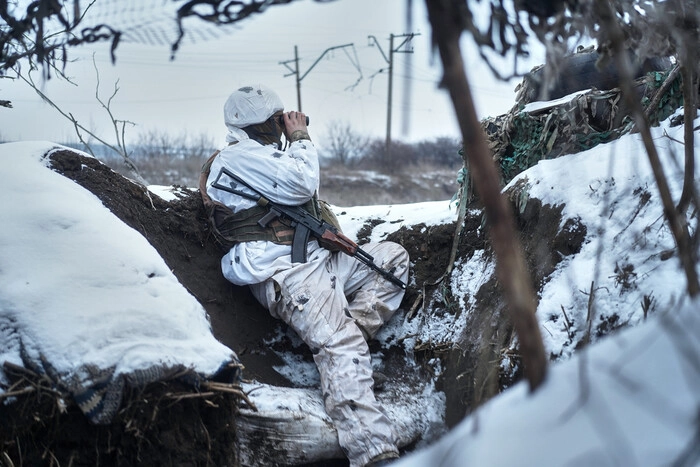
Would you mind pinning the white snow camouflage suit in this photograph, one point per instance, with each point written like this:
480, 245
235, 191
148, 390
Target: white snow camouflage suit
332, 301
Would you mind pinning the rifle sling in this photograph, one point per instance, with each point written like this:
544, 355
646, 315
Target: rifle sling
219, 214
229, 228
238, 226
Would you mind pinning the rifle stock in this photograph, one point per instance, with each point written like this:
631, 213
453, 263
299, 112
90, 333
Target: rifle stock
342, 242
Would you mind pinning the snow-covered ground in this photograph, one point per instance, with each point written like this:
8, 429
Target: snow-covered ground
632, 398
79, 288
83, 297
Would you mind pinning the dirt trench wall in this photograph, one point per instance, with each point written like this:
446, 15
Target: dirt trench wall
178, 230
484, 361
478, 366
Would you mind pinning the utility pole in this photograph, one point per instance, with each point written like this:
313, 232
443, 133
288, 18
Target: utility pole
407, 76
390, 60
295, 70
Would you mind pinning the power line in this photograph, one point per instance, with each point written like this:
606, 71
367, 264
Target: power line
295, 71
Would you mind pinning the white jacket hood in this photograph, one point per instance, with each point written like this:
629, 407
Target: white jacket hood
249, 105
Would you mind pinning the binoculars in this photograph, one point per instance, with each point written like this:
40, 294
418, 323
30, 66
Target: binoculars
280, 120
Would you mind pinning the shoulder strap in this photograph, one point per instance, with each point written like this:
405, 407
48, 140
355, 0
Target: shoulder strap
230, 228
203, 176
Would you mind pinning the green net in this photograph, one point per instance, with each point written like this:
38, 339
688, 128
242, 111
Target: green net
530, 133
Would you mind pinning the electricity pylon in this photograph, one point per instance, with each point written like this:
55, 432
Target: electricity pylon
390, 60
295, 70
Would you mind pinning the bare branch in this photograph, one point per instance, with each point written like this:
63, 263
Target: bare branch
464, 197
678, 224
590, 315
119, 136
26, 37
654, 103
444, 18
689, 193
79, 128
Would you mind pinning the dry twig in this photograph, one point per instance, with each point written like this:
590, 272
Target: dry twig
230, 389
654, 103
677, 222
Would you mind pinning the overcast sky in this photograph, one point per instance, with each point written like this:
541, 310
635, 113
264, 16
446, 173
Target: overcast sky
187, 94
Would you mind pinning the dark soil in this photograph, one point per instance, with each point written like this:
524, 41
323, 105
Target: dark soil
485, 360
163, 424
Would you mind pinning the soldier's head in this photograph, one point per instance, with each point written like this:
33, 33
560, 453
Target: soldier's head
249, 111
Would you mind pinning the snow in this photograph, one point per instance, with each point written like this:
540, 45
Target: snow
80, 289
393, 217
541, 105
168, 193
606, 189
631, 398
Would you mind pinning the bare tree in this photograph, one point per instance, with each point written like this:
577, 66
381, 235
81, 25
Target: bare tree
27, 35
345, 145
443, 151
166, 159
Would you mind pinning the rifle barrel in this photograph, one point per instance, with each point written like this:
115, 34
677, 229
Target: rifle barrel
362, 256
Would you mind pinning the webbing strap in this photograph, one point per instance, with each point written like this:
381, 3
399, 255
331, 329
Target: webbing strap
243, 226
230, 228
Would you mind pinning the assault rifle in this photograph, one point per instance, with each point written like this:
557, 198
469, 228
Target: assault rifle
304, 224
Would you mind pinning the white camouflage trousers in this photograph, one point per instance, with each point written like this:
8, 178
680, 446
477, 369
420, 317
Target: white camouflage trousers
335, 303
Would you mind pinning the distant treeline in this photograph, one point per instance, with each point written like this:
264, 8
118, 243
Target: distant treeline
163, 159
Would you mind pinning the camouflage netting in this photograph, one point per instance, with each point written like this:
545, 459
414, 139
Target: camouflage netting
522, 137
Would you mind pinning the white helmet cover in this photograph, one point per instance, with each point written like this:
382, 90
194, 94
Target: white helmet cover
250, 105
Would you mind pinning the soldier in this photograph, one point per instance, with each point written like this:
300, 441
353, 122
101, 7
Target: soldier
334, 302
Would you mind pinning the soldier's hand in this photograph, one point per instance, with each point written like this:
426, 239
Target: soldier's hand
294, 121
